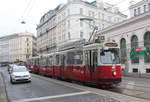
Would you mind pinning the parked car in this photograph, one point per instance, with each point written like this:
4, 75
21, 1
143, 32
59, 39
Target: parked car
19, 74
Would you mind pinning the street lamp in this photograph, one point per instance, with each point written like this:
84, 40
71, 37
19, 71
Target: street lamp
95, 27
23, 22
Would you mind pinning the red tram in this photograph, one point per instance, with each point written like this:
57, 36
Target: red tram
96, 63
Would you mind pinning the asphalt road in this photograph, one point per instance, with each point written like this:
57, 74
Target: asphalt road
44, 89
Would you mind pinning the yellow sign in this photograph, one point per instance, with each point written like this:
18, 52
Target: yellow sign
101, 37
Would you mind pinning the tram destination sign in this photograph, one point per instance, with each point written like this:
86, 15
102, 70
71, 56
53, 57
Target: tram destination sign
111, 44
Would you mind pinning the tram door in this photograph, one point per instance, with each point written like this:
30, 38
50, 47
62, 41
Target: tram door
91, 63
63, 58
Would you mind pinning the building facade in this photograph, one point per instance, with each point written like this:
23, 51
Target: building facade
63, 23
17, 47
139, 8
133, 37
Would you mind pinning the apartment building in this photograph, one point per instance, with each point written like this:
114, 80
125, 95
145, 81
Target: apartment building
63, 23
17, 47
139, 8
133, 36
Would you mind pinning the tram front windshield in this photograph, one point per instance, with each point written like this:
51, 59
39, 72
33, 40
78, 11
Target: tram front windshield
110, 56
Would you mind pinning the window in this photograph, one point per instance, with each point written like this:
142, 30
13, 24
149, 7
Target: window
81, 11
144, 8
81, 23
118, 19
81, 35
57, 59
70, 58
50, 60
148, 6
95, 59
109, 18
74, 57
147, 70
103, 26
103, 17
134, 44
78, 58
139, 10
135, 12
93, 14
68, 23
69, 36
147, 46
68, 12
110, 56
123, 50
99, 15
27, 39
27, 51
135, 70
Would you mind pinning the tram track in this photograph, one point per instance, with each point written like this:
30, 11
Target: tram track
120, 89
134, 90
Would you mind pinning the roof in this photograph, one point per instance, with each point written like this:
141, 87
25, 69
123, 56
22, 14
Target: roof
125, 22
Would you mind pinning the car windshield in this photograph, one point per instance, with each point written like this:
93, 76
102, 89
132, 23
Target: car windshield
110, 56
19, 69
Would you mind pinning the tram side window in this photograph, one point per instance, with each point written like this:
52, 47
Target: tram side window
70, 58
57, 59
78, 58
42, 62
86, 58
63, 60
95, 61
50, 60
35, 62
47, 61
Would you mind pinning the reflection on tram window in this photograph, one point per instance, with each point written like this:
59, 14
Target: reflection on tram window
109, 56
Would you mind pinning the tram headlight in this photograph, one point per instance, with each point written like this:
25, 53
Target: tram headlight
114, 73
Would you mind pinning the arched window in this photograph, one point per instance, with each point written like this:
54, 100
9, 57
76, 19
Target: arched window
123, 50
134, 44
147, 46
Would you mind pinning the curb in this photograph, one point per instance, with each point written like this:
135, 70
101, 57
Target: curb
3, 93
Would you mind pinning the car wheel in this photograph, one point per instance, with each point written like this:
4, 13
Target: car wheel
11, 81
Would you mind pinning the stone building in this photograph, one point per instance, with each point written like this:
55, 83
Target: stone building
64, 23
17, 47
133, 36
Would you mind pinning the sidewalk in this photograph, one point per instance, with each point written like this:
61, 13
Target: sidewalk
137, 75
3, 95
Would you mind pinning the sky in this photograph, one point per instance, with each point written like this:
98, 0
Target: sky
13, 12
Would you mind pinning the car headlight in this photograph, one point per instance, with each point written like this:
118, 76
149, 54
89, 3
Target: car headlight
13, 76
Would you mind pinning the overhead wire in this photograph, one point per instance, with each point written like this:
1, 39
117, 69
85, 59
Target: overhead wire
28, 4
28, 9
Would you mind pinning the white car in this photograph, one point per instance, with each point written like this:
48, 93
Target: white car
20, 74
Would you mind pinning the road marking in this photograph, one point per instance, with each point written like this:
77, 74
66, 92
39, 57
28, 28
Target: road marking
52, 97
67, 84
